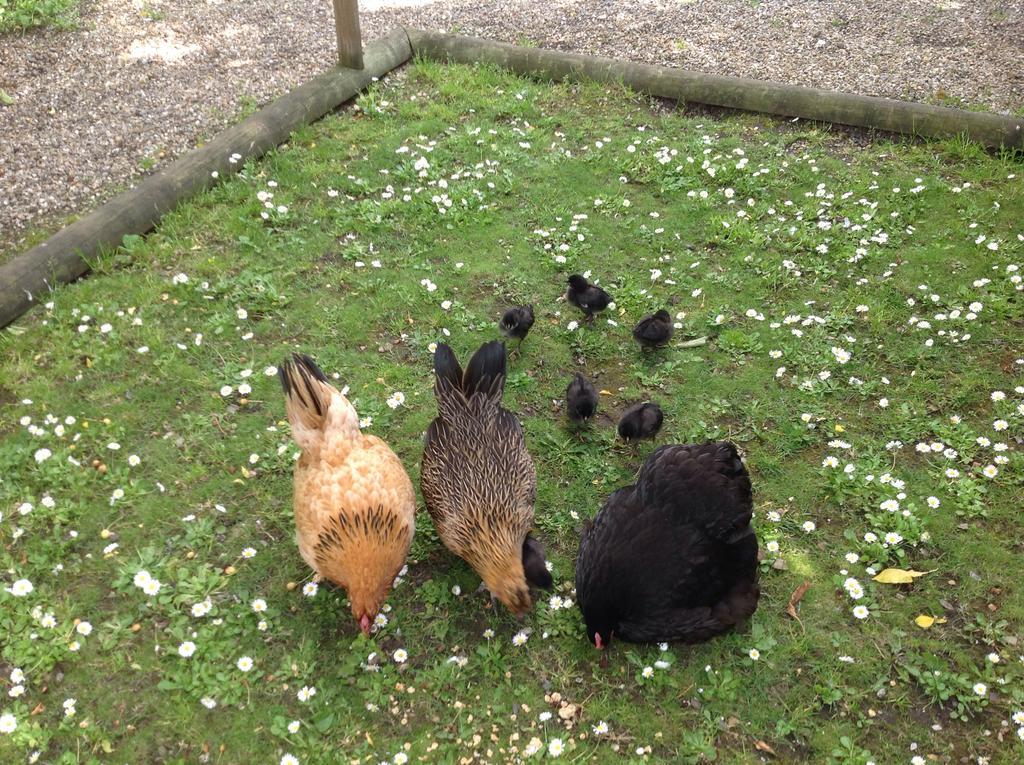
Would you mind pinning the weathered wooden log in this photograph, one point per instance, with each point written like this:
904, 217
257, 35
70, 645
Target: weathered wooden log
62, 258
990, 130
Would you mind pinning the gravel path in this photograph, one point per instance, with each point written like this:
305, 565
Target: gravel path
143, 80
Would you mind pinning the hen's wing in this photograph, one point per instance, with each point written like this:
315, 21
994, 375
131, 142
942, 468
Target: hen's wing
705, 484
489, 488
354, 513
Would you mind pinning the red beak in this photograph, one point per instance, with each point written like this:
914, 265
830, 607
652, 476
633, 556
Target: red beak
364, 624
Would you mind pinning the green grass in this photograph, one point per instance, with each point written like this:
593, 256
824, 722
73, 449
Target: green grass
22, 15
533, 174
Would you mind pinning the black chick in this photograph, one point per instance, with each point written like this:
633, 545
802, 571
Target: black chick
641, 421
516, 322
674, 556
588, 297
654, 331
535, 565
580, 399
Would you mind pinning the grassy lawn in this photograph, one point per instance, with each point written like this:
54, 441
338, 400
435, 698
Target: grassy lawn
21, 15
864, 313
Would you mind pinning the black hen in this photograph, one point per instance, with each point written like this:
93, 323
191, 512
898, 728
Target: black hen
580, 399
674, 556
654, 331
588, 297
641, 421
516, 322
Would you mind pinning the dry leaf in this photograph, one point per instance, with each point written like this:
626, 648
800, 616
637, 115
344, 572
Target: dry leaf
924, 621
762, 746
795, 598
898, 576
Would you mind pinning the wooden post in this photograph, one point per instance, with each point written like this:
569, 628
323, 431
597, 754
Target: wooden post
350, 41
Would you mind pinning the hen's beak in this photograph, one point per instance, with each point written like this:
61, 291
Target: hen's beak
364, 624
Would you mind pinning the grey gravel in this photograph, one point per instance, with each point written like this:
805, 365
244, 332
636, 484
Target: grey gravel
141, 81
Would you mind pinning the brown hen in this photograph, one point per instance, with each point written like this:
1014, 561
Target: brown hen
354, 503
478, 480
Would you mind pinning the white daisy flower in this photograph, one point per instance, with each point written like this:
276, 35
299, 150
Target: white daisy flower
8, 723
20, 588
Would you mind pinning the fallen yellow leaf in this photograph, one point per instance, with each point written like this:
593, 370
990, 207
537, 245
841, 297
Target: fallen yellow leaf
605, 392
898, 576
924, 622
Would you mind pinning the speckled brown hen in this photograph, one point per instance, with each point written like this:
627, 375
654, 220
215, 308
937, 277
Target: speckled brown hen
478, 480
354, 503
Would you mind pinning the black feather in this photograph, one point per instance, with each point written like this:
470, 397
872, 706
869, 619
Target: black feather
307, 370
654, 330
446, 367
641, 421
486, 371
580, 399
516, 322
672, 557
534, 565
588, 297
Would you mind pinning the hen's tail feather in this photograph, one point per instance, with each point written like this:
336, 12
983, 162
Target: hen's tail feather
306, 385
534, 565
297, 378
447, 368
486, 371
